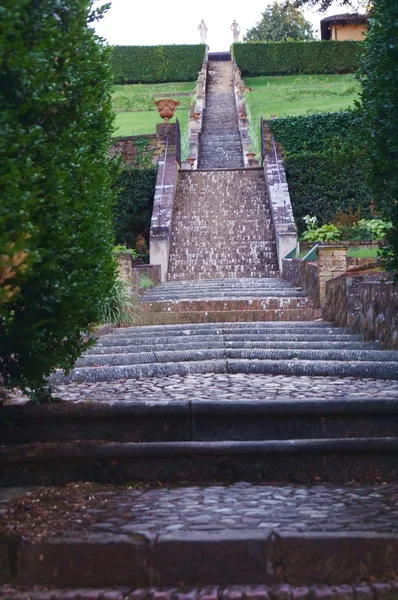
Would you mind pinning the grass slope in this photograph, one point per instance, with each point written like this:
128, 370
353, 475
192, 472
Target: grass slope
297, 95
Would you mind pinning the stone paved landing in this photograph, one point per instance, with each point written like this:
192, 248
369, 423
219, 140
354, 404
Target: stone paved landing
243, 507
192, 537
227, 387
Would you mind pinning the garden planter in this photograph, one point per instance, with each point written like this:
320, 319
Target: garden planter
166, 108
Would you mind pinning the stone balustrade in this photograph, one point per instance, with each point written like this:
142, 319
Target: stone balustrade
279, 197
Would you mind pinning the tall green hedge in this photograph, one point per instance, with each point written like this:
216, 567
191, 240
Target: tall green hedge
379, 78
297, 58
156, 64
55, 185
327, 165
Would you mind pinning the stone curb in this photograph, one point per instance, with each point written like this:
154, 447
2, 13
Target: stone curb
222, 558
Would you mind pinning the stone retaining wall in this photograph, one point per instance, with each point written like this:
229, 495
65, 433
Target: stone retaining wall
365, 304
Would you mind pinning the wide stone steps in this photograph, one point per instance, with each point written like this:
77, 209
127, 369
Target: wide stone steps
229, 349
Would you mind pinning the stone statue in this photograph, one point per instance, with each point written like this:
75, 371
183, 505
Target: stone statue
203, 32
235, 31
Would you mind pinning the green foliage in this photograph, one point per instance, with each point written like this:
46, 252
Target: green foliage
55, 185
326, 164
132, 211
379, 78
325, 233
156, 64
118, 250
280, 22
291, 58
120, 305
364, 229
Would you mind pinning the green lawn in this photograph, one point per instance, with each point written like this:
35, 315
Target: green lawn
139, 98
297, 95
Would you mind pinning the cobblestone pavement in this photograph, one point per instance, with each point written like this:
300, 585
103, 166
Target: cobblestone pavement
357, 591
228, 387
246, 506
213, 386
243, 506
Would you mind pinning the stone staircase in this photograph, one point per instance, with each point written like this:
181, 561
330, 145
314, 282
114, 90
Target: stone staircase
291, 348
225, 300
220, 144
222, 226
285, 489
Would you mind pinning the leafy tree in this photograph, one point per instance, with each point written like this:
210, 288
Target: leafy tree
280, 22
379, 77
322, 5
56, 179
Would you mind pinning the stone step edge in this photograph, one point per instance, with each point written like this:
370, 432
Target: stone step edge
189, 318
207, 558
284, 408
98, 450
373, 370
362, 590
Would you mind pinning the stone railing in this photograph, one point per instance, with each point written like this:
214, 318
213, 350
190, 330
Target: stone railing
196, 117
279, 197
239, 88
163, 204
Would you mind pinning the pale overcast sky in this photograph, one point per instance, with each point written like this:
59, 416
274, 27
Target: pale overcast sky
154, 22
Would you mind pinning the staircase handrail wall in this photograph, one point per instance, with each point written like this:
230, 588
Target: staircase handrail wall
163, 208
279, 197
195, 124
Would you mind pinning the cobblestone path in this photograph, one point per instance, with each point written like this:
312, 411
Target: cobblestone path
244, 506
214, 386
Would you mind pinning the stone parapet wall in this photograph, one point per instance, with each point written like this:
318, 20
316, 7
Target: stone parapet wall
378, 312
303, 274
344, 299
279, 197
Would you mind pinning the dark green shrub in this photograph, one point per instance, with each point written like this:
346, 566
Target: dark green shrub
156, 64
55, 184
133, 209
136, 184
297, 58
379, 77
326, 164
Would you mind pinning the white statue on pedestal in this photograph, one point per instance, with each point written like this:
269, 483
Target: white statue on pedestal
235, 31
203, 32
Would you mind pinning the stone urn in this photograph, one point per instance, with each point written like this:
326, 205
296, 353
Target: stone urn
166, 108
250, 155
191, 161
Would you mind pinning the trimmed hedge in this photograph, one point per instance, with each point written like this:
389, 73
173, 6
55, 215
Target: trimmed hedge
318, 132
326, 165
297, 58
379, 75
156, 64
